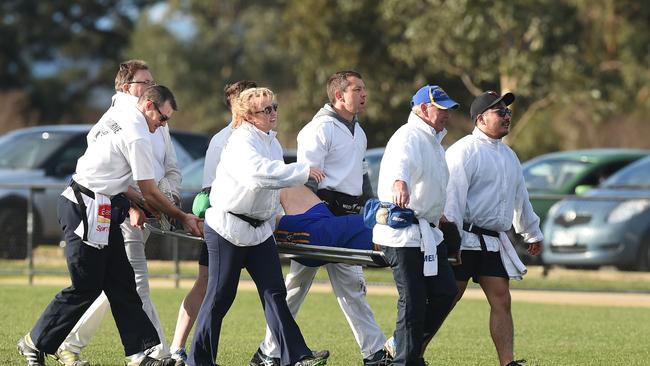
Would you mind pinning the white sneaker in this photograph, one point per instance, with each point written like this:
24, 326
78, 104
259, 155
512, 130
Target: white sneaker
69, 358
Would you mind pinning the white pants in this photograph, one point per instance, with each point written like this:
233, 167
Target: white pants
350, 289
87, 326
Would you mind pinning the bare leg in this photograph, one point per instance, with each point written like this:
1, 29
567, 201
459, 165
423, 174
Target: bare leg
501, 326
189, 309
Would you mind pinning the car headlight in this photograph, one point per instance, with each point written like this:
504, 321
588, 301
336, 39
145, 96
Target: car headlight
557, 206
627, 209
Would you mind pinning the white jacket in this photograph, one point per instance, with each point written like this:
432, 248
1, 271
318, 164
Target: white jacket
413, 154
249, 175
326, 143
487, 188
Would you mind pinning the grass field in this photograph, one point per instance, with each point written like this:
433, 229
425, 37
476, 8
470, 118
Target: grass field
544, 334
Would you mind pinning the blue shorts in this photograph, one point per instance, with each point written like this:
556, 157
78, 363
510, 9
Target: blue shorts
318, 226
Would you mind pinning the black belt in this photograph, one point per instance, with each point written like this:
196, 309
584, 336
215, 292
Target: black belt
340, 203
479, 231
251, 221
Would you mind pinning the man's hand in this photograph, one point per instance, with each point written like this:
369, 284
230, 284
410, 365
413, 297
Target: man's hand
136, 217
400, 193
193, 224
456, 256
535, 248
316, 174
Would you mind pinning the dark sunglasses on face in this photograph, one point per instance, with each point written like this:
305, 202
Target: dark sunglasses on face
163, 117
502, 112
269, 109
145, 82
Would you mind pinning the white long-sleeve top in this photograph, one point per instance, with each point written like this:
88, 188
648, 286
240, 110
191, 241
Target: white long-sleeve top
250, 174
165, 163
487, 188
414, 155
213, 154
327, 143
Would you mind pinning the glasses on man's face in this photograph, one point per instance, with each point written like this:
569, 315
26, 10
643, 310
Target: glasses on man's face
145, 82
269, 109
163, 117
502, 112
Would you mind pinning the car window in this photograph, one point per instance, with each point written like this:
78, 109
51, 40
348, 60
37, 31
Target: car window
634, 175
195, 144
193, 175
30, 150
552, 175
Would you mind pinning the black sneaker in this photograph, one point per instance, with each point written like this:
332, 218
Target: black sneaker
33, 356
148, 361
379, 358
516, 363
260, 359
317, 358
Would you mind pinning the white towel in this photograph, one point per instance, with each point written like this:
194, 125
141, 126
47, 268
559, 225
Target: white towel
513, 265
431, 238
98, 211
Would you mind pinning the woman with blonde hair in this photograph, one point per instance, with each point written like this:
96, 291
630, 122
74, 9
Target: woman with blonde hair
239, 230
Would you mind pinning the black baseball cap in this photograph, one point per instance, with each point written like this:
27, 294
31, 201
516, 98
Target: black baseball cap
487, 100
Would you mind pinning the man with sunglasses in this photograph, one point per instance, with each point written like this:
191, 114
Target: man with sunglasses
131, 81
486, 195
335, 142
90, 212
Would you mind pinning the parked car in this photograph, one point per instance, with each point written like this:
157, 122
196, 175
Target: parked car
45, 155
609, 225
555, 176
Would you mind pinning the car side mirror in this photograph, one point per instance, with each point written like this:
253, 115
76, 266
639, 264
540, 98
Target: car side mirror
582, 189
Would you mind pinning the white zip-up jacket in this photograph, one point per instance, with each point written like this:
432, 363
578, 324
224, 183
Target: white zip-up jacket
413, 154
326, 143
250, 174
487, 188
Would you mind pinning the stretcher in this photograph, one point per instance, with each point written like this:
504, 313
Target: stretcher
369, 258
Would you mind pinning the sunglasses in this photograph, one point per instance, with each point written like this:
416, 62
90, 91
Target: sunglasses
502, 112
145, 82
163, 117
269, 109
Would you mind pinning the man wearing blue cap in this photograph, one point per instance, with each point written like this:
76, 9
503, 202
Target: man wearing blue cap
413, 174
487, 194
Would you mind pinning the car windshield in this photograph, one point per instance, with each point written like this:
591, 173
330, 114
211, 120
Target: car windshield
551, 175
29, 150
636, 175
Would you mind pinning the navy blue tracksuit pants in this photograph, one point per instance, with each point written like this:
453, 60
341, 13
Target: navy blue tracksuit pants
226, 262
92, 271
424, 302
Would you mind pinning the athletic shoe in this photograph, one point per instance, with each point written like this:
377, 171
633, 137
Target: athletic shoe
317, 358
389, 347
148, 361
517, 363
69, 358
379, 358
180, 355
33, 356
260, 359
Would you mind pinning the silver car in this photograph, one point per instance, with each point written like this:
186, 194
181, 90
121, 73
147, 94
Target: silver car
46, 155
609, 225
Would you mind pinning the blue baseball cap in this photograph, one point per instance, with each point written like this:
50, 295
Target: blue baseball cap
435, 95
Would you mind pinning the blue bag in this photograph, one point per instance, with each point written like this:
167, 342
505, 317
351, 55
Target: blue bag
386, 213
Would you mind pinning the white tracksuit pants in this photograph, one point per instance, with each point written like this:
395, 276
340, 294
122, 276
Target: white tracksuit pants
87, 326
349, 287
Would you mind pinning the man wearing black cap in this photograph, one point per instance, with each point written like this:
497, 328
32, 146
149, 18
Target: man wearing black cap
487, 194
413, 174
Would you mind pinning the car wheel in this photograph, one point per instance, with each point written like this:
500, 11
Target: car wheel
13, 233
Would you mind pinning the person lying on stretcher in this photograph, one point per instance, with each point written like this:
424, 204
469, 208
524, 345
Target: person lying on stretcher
307, 220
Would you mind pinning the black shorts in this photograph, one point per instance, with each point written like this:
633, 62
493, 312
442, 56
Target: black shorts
476, 263
203, 257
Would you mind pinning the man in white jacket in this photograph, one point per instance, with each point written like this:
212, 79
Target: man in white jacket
486, 195
335, 142
413, 174
132, 78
